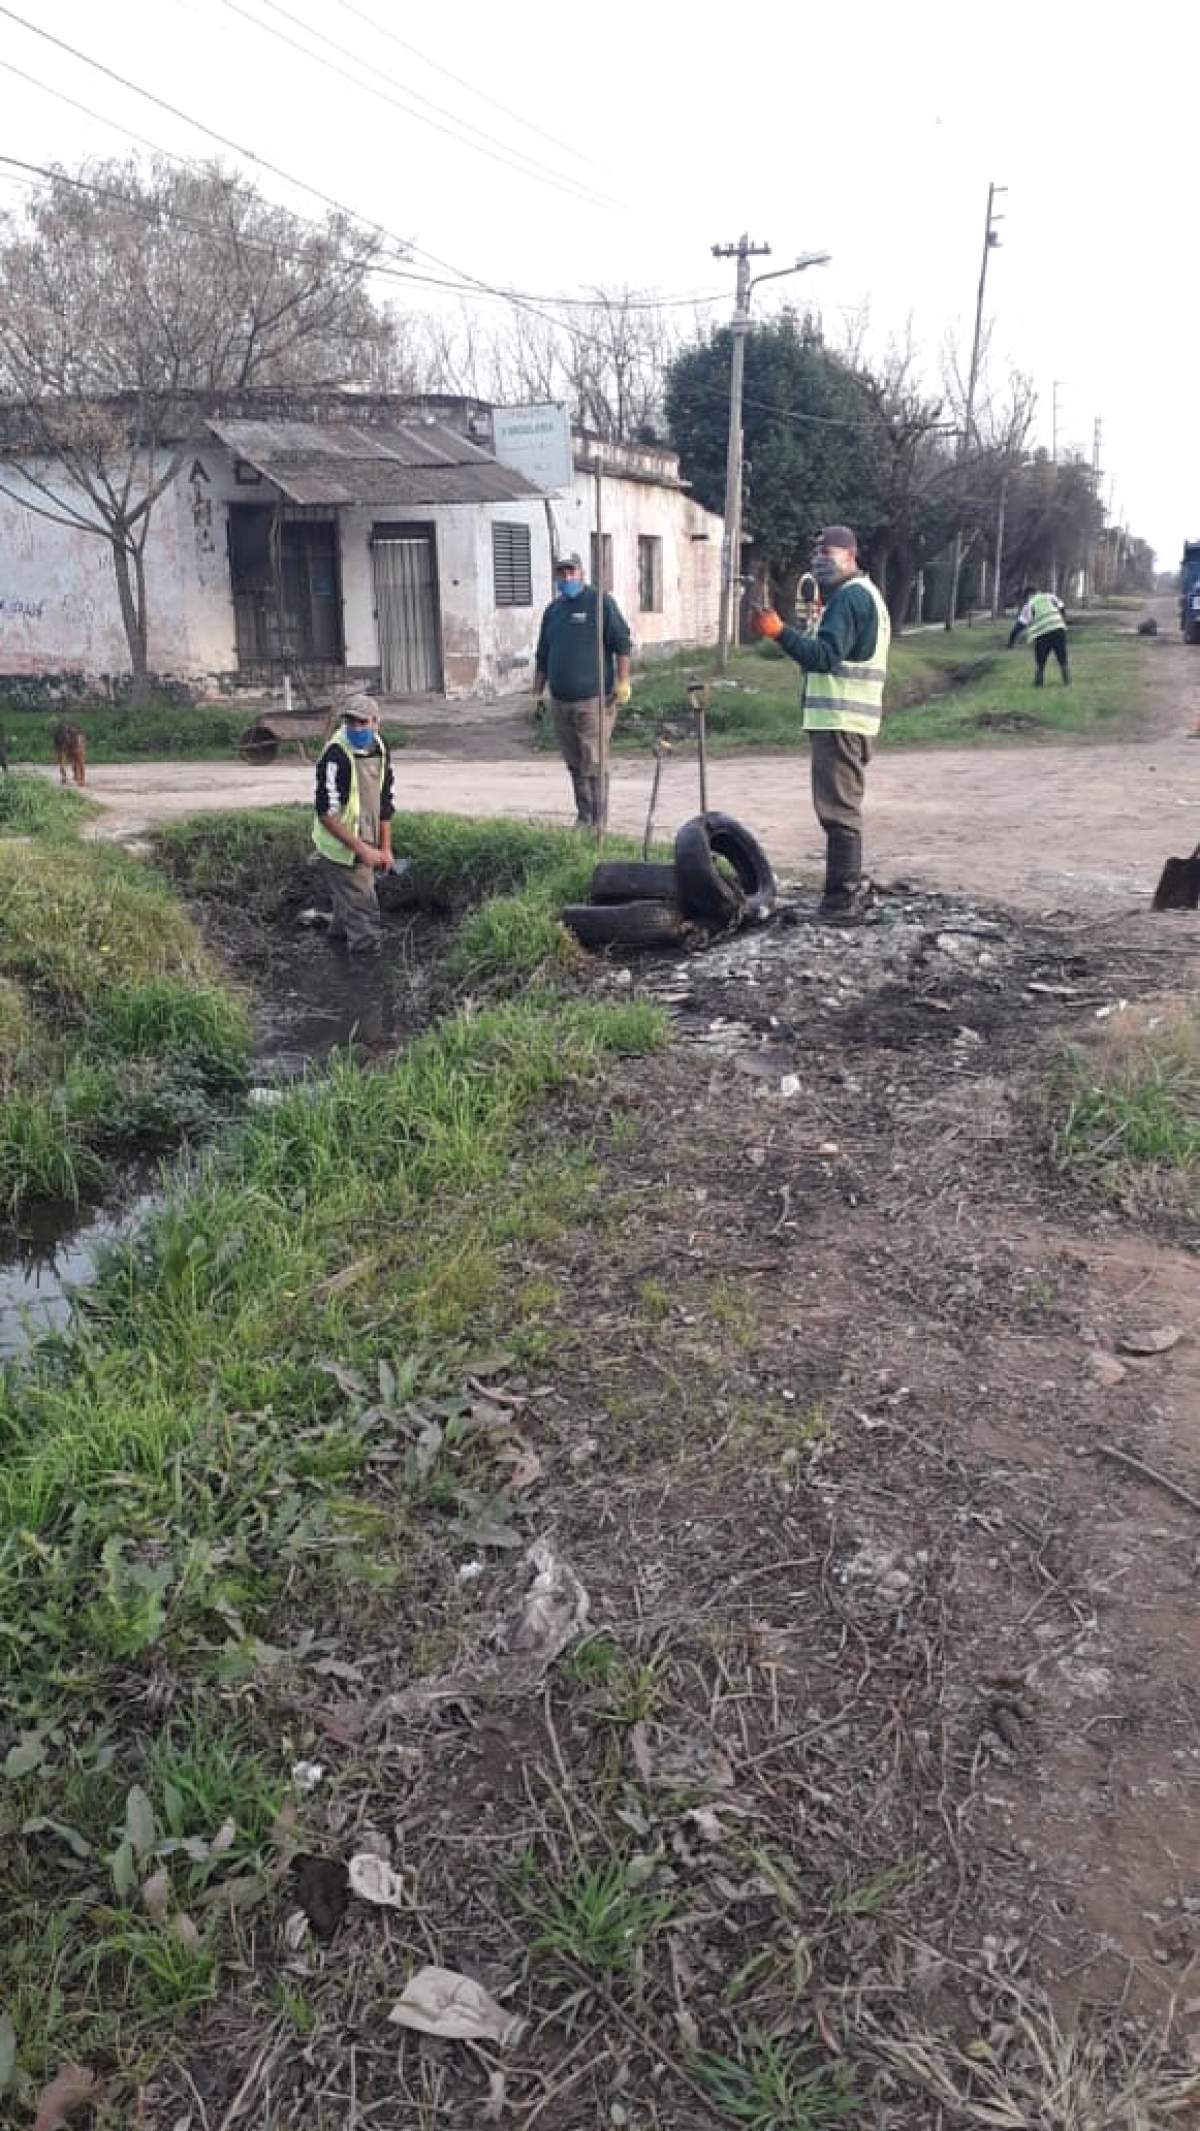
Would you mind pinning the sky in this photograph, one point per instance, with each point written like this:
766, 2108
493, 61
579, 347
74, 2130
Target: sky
559, 150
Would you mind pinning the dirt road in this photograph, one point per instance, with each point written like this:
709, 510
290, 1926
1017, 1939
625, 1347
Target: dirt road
1034, 827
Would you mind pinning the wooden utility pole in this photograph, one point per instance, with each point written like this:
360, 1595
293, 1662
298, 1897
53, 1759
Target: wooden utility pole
602, 699
731, 549
991, 238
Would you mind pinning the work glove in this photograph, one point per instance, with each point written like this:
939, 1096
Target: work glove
765, 622
539, 704
622, 694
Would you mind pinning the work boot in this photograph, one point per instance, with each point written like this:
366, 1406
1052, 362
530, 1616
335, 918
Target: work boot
1066, 676
845, 894
1039, 680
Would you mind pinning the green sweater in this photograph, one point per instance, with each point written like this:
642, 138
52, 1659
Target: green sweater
849, 630
566, 647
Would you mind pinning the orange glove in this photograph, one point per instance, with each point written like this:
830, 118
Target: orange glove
765, 622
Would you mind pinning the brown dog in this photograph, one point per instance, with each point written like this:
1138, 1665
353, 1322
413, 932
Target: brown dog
70, 749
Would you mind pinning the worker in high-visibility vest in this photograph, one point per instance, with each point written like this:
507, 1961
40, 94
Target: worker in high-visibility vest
352, 823
845, 666
1042, 621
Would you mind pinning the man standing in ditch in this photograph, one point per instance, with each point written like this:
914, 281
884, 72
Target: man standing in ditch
845, 666
567, 663
352, 826
1042, 621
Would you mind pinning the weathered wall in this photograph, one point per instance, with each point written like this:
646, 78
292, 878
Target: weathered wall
60, 620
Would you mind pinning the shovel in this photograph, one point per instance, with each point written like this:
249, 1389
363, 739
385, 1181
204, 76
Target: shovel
1179, 884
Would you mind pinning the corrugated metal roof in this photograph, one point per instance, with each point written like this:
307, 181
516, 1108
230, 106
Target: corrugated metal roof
341, 463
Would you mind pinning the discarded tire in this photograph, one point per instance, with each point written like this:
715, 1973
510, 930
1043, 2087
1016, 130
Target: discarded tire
734, 843
620, 880
638, 924
706, 893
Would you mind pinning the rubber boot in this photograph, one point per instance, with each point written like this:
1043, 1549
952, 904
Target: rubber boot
1066, 673
583, 801
844, 895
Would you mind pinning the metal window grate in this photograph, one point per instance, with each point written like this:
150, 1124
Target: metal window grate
512, 565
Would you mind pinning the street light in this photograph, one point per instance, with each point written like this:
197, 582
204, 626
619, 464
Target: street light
731, 577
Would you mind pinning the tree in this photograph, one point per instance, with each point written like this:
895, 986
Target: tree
605, 359
916, 502
812, 446
125, 294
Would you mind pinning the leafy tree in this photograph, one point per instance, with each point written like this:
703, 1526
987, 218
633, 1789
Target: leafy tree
123, 295
812, 444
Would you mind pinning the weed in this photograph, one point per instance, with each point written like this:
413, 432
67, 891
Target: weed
597, 1916
770, 2086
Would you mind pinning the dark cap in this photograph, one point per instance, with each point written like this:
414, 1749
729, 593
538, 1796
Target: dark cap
838, 536
568, 562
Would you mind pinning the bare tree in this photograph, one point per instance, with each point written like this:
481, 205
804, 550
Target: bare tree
124, 294
606, 359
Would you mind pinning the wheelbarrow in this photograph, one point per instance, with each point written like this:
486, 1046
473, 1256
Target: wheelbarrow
306, 730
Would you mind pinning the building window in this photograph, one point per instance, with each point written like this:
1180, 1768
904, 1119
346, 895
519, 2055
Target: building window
512, 566
595, 560
650, 594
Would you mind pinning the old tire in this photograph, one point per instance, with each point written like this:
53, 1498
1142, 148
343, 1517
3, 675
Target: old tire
622, 880
706, 893
733, 842
637, 924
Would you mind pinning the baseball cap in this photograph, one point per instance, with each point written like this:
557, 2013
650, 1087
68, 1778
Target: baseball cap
838, 536
358, 710
567, 562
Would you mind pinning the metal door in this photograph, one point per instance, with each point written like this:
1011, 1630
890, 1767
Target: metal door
406, 610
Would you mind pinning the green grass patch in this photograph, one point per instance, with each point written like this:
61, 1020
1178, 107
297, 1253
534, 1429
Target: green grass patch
957, 687
115, 1029
30, 806
223, 1459
1125, 1112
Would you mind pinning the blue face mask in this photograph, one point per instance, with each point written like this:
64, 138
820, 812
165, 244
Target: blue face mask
361, 738
570, 587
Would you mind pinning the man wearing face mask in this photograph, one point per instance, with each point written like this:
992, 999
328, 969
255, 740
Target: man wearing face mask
352, 826
566, 662
845, 664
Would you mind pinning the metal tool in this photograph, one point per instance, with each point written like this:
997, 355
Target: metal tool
699, 696
1179, 884
661, 747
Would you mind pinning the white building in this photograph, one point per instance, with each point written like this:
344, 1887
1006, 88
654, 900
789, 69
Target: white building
368, 542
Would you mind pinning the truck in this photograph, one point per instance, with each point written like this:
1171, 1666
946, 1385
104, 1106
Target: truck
1189, 591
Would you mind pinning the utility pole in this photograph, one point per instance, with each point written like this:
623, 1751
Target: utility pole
731, 553
1090, 550
991, 238
1054, 492
731, 549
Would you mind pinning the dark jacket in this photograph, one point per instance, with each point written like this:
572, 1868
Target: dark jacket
849, 630
566, 646
333, 781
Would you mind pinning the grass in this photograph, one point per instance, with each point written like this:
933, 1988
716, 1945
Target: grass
29, 806
1125, 1111
164, 732
775, 2086
957, 688
194, 1471
116, 1033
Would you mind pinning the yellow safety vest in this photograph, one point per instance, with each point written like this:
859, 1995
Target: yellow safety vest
850, 699
1045, 614
329, 846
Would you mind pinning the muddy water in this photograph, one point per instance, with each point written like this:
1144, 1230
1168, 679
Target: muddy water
312, 1005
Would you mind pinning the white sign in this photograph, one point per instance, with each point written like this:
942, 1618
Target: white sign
537, 442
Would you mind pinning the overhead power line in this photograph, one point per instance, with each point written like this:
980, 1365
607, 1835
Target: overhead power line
384, 30
484, 144
201, 126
